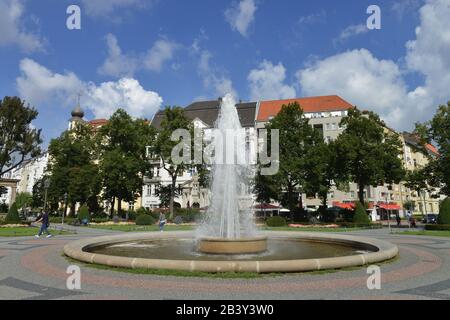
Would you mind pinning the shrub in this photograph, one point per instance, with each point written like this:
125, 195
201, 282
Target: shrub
188, 214
142, 210
276, 221
444, 212
442, 227
13, 215
83, 213
178, 220
360, 216
132, 215
3, 207
144, 220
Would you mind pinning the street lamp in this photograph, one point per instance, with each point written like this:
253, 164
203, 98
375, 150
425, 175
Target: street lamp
65, 208
46, 186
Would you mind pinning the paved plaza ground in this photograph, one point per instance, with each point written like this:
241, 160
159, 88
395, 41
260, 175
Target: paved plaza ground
36, 269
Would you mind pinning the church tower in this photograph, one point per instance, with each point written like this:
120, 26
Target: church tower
77, 117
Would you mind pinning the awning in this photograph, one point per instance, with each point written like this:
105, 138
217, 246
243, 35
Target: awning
390, 206
342, 205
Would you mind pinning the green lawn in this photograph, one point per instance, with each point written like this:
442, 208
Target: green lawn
312, 229
433, 233
134, 228
26, 231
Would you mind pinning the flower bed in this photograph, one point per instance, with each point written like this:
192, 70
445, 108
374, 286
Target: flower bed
313, 225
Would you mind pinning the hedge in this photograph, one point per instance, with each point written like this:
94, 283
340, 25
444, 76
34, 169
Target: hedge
276, 221
442, 227
144, 220
13, 215
360, 216
83, 213
444, 212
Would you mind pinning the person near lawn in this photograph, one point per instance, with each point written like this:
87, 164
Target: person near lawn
43, 218
162, 221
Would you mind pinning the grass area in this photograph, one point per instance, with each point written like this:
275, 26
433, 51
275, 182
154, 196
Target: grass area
26, 231
432, 233
312, 229
135, 228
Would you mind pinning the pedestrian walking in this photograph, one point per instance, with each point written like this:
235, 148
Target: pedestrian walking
162, 221
45, 223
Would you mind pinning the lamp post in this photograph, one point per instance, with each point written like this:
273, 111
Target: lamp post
46, 186
65, 208
388, 213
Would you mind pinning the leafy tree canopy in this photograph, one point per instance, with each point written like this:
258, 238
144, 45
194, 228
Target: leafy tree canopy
19, 140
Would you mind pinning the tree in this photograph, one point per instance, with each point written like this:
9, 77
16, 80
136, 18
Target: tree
438, 131
23, 200
368, 153
13, 214
72, 169
164, 193
444, 212
19, 140
174, 119
323, 170
417, 180
123, 163
360, 216
297, 140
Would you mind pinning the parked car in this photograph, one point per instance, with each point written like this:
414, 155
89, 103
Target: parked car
430, 218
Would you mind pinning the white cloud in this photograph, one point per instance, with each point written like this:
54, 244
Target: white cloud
37, 84
379, 85
162, 51
360, 78
267, 82
126, 93
351, 31
117, 64
429, 54
213, 78
106, 8
12, 30
403, 7
241, 15
313, 18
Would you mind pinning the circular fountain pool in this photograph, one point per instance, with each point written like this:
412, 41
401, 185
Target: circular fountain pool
286, 252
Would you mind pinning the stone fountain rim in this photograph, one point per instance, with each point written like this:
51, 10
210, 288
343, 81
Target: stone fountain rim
243, 239
385, 251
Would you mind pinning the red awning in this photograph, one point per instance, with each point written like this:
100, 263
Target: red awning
342, 205
390, 206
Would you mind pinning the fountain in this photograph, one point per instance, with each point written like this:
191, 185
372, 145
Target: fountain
228, 240
228, 227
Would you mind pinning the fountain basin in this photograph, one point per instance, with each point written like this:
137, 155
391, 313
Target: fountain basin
232, 246
366, 251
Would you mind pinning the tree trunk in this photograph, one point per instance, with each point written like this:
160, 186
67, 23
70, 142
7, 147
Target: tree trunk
119, 207
172, 194
111, 211
291, 202
361, 193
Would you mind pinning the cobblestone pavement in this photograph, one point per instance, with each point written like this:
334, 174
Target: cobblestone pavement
33, 268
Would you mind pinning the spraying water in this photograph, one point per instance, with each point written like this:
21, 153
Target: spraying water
227, 217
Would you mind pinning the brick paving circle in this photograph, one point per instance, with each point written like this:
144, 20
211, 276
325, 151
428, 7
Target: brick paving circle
420, 265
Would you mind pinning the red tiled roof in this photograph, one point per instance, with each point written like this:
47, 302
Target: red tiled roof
98, 122
432, 148
311, 104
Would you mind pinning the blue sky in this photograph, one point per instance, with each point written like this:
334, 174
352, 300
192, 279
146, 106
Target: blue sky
143, 55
